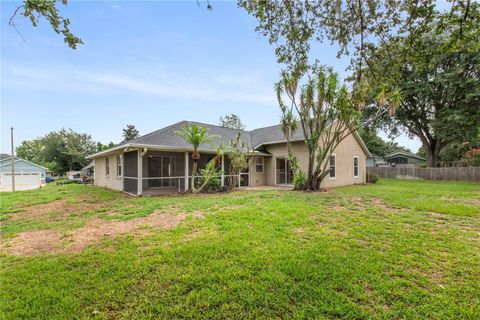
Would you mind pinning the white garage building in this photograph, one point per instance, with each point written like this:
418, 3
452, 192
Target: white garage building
28, 175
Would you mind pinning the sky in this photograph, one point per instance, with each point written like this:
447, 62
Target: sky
149, 63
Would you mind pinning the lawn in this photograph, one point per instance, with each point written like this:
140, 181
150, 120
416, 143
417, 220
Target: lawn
396, 249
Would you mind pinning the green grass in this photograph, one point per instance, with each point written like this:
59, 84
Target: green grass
396, 249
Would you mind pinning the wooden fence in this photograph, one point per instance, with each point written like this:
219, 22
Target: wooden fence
445, 173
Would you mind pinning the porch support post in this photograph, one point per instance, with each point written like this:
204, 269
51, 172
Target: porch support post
186, 171
223, 171
139, 173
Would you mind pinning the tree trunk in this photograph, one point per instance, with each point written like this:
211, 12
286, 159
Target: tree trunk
194, 173
433, 150
309, 186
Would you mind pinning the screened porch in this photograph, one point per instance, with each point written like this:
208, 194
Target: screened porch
170, 172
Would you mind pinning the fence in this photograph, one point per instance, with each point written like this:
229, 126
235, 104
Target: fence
445, 173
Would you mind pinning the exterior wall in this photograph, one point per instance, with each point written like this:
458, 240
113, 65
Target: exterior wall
112, 181
279, 150
344, 152
257, 178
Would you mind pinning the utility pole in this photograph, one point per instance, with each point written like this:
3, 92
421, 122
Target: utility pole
13, 159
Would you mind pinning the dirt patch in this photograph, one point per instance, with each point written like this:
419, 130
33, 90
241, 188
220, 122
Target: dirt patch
46, 241
63, 207
32, 242
377, 203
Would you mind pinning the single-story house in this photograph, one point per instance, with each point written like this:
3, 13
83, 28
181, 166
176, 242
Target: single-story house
160, 161
88, 170
28, 175
402, 157
74, 175
375, 161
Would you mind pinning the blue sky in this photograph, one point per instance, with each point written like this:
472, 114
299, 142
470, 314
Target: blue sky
144, 63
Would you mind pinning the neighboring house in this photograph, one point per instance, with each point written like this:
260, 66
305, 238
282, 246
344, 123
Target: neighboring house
89, 169
161, 161
28, 175
403, 158
375, 161
74, 175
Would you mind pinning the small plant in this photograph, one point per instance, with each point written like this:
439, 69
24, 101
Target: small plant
372, 177
299, 180
210, 177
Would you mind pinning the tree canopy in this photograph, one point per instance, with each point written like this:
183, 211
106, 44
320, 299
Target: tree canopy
232, 121
130, 133
438, 73
60, 151
33, 10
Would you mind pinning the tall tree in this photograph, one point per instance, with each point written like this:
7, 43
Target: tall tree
438, 73
130, 133
231, 121
33, 10
327, 112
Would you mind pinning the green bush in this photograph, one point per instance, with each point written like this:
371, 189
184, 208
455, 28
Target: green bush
372, 177
299, 180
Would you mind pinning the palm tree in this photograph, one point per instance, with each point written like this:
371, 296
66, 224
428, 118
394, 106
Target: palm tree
195, 135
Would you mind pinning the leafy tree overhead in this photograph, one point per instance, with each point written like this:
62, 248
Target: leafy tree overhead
60, 151
130, 133
48, 9
232, 121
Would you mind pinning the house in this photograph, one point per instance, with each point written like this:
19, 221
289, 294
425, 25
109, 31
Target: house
88, 170
28, 175
375, 161
74, 175
161, 161
403, 158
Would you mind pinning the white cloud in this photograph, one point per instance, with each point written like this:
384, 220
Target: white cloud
204, 85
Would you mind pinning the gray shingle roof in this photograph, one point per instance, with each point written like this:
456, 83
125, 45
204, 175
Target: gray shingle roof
168, 137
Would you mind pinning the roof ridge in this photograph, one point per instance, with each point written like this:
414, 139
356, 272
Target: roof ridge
216, 125
156, 131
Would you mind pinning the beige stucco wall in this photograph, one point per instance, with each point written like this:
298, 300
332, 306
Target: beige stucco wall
345, 152
257, 178
111, 181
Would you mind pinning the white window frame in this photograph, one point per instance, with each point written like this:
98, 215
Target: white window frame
119, 165
107, 167
334, 167
358, 166
262, 164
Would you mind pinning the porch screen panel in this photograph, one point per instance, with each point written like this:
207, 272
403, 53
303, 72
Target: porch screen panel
130, 171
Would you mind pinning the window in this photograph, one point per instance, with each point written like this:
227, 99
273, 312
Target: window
107, 167
356, 168
119, 165
258, 164
333, 166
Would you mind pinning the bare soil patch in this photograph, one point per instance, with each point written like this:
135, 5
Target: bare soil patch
32, 242
63, 207
47, 241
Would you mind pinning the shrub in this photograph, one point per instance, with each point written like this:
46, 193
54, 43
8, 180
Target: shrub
210, 178
299, 180
372, 177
